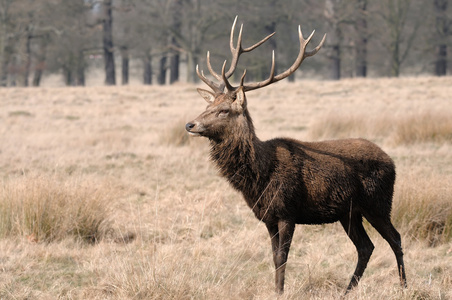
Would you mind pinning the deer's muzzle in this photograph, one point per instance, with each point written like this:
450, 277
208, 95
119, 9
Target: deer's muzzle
193, 129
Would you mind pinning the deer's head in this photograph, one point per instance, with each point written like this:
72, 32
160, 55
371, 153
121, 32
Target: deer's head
227, 109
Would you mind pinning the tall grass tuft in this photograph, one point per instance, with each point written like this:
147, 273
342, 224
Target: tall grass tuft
422, 127
45, 208
175, 134
422, 206
347, 125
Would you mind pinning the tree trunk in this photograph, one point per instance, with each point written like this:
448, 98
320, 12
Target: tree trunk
147, 70
67, 76
395, 62
110, 76
162, 70
441, 60
4, 71
5, 60
80, 76
442, 33
192, 61
177, 10
80, 65
125, 65
361, 40
395, 54
273, 45
37, 76
333, 21
4, 55
27, 56
174, 68
335, 62
41, 61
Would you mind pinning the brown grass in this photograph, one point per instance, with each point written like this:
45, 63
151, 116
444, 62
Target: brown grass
423, 207
428, 126
175, 134
422, 127
117, 159
47, 209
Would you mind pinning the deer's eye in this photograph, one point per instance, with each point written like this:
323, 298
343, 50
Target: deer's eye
223, 113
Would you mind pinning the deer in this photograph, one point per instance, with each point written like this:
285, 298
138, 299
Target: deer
286, 181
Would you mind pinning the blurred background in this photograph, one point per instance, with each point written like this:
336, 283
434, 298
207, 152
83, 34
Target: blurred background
114, 42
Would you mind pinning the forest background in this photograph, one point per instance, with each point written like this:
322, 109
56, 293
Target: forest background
160, 41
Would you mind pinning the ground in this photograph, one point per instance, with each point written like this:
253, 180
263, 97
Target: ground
188, 235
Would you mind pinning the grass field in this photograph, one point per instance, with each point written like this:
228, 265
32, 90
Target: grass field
104, 196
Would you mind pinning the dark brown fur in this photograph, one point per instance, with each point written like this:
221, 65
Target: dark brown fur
287, 182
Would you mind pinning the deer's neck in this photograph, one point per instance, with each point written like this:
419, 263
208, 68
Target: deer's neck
240, 158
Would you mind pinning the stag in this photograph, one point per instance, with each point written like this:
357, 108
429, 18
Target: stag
286, 181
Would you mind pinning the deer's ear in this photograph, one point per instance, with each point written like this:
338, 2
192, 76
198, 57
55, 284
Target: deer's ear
208, 96
240, 99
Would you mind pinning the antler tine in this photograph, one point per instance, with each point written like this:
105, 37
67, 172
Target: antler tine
267, 81
301, 56
209, 66
229, 87
259, 43
216, 88
316, 49
231, 39
238, 50
243, 78
235, 51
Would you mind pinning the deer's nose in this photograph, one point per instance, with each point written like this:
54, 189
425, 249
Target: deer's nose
189, 126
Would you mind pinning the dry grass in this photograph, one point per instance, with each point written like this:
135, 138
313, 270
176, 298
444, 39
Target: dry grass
423, 207
117, 159
421, 127
428, 126
47, 209
176, 134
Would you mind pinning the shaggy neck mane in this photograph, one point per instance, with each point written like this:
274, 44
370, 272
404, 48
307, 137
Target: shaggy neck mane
239, 157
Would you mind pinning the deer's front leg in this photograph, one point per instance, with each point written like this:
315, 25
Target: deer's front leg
281, 236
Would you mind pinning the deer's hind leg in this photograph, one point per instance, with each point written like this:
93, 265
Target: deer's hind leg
353, 226
384, 226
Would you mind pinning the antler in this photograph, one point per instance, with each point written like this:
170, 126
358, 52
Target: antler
235, 51
301, 56
238, 50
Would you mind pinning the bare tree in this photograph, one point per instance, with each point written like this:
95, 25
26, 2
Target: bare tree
124, 39
5, 26
107, 41
41, 56
337, 13
24, 43
161, 78
200, 20
149, 36
361, 38
77, 35
442, 30
395, 15
176, 26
